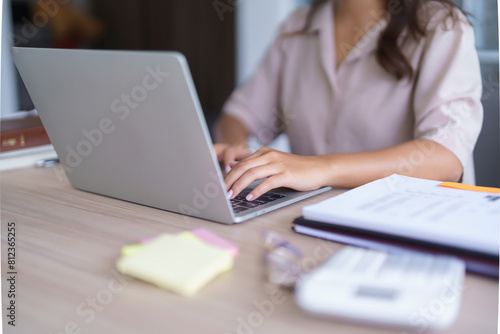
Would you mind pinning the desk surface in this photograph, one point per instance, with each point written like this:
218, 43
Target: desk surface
68, 241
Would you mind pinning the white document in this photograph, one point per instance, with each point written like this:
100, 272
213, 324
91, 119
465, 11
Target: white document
418, 209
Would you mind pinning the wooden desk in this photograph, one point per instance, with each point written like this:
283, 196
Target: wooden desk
68, 241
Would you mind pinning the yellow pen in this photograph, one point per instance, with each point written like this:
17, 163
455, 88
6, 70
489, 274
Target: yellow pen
469, 187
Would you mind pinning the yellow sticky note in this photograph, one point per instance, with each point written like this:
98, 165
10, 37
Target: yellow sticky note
130, 249
178, 264
190, 236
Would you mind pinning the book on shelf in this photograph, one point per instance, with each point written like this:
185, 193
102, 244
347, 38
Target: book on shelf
22, 131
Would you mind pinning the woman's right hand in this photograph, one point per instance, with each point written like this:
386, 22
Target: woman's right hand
227, 153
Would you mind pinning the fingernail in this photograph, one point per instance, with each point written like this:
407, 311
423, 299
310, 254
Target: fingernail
229, 193
228, 169
249, 197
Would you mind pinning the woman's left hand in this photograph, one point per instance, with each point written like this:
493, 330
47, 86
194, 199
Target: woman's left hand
279, 169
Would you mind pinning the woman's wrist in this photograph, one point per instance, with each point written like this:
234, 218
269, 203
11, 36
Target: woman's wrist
328, 170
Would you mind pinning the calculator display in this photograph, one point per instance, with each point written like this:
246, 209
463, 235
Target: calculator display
373, 292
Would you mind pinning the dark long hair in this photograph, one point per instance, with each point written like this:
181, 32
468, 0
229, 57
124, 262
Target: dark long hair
389, 54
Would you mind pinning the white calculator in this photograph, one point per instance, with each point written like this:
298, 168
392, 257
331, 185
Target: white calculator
414, 291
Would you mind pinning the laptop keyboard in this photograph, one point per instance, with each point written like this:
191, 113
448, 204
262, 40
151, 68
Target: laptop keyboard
240, 204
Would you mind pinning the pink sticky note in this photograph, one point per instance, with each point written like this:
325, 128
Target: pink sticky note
214, 239
146, 240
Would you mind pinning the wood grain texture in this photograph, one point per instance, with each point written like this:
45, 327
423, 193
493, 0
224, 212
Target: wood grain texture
68, 242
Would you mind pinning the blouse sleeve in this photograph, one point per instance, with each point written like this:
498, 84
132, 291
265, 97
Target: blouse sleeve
447, 98
256, 102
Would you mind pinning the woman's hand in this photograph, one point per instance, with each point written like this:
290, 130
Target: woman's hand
227, 153
279, 170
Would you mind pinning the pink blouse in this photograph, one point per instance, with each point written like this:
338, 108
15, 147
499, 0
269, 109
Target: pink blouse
358, 106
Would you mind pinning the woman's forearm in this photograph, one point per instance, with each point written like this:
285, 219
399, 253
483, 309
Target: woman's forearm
418, 158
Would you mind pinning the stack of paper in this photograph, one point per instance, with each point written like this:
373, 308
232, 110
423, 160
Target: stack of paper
181, 263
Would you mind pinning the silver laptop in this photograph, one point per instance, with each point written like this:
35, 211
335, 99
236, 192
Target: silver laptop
129, 125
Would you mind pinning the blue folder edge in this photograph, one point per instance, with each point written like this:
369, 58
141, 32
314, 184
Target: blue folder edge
475, 262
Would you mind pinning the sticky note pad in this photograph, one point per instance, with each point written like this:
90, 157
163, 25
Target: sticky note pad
146, 240
177, 264
189, 236
130, 249
206, 236
215, 240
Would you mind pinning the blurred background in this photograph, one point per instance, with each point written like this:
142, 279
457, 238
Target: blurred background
223, 41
